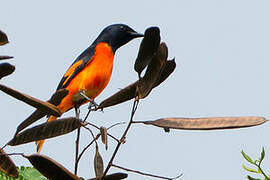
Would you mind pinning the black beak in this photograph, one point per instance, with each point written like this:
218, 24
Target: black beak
134, 34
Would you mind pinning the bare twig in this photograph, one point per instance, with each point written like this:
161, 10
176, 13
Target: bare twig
146, 174
78, 139
13, 154
77, 112
134, 108
80, 155
91, 134
107, 129
116, 125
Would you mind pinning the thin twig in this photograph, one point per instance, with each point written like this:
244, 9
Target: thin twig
77, 112
4, 146
113, 137
116, 124
146, 174
134, 108
107, 129
87, 115
78, 140
96, 138
91, 134
13, 154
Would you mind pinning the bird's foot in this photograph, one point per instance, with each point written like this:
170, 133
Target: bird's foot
93, 106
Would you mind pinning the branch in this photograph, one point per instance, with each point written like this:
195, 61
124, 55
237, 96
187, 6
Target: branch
77, 111
146, 174
134, 108
80, 155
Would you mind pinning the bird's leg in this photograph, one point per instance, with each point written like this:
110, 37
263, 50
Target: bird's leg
92, 104
77, 112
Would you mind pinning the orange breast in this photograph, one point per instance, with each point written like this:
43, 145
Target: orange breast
93, 78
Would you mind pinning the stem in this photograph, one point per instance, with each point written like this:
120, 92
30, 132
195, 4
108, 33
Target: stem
92, 134
134, 108
262, 172
146, 174
77, 112
97, 136
78, 140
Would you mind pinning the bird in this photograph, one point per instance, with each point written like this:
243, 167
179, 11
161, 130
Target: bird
91, 71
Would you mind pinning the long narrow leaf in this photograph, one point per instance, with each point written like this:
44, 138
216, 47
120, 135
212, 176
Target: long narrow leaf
3, 38
168, 69
50, 168
5, 57
38, 114
121, 96
7, 165
153, 71
98, 163
148, 48
45, 106
207, 123
115, 176
46, 130
6, 69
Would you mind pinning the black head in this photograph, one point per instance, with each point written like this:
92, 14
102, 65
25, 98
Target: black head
117, 35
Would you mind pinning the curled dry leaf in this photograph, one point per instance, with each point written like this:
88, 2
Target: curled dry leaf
168, 69
38, 114
6, 69
148, 48
129, 92
50, 168
121, 96
153, 71
5, 57
3, 38
48, 108
114, 176
157, 71
207, 123
104, 136
46, 130
7, 165
98, 164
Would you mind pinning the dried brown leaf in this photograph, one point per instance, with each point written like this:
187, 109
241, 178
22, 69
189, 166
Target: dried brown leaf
98, 164
207, 123
6, 69
38, 114
5, 57
104, 136
48, 108
166, 72
3, 38
7, 165
158, 70
114, 176
148, 48
121, 96
46, 130
50, 168
153, 71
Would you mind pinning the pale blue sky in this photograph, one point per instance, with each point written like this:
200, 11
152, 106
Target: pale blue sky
222, 55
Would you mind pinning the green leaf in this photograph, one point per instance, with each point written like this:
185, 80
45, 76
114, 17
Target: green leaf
247, 157
251, 178
249, 169
262, 155
30, 173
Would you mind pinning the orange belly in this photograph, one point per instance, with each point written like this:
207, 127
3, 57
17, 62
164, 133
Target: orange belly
93, 78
